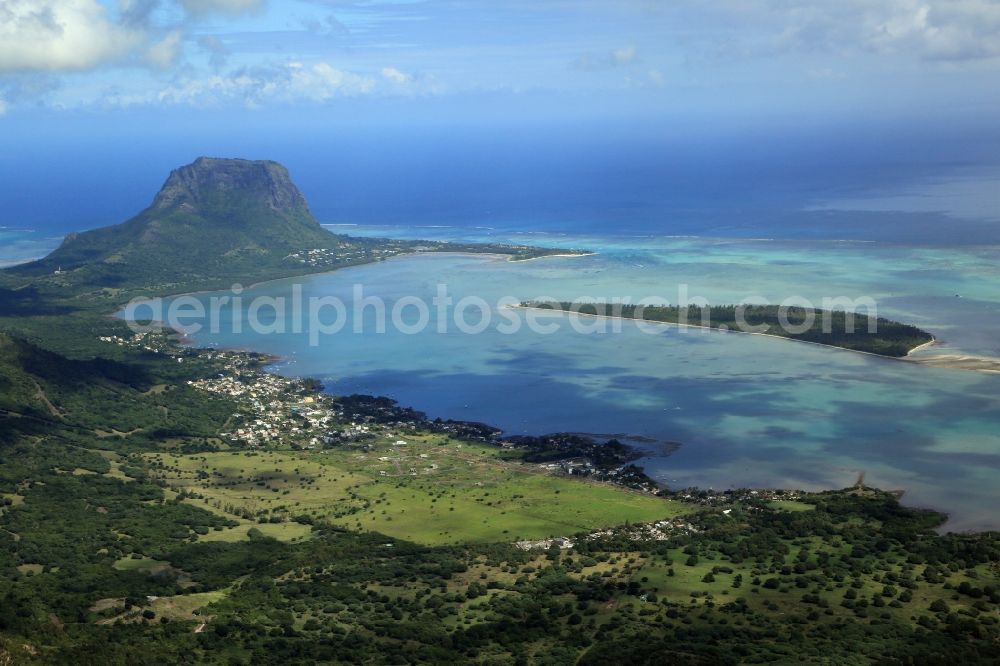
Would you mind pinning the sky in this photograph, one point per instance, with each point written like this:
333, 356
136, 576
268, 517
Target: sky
539, 58
117, 92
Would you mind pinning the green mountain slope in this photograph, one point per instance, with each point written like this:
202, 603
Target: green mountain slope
85, 402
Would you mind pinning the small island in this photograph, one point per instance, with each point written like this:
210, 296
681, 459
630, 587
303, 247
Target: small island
833, 328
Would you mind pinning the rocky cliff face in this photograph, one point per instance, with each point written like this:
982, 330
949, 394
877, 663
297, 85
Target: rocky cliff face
207, 179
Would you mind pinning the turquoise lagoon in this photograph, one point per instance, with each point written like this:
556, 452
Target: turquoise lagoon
20, 245
710, 408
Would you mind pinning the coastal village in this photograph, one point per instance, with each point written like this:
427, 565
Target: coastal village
343, 253
359, 251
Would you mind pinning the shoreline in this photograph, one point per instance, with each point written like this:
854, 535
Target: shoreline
511, 258
631, 442
327, 271
967, 362
926, 345
269, 361
403, 255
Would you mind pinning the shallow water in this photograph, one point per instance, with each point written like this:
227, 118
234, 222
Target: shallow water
746, 410
20, 245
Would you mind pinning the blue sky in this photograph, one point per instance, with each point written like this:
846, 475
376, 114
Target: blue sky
542, 59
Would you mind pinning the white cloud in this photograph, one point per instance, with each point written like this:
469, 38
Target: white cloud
624, 55
165, 52
958, 30
252, 87
619, 57
60, 35
395, 75
222, 6
322, 81
922, 29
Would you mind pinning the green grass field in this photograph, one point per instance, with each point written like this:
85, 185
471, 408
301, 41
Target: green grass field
15, 500
185, 606
279, 531
432, 491
790, 505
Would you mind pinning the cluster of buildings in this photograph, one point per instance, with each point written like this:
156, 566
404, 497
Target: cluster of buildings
721, 498
661, 530
278, 410
152, 341
573, 467
323, 257
545, 544
272, 408
351, 432
343, 253
627, 475
623, 475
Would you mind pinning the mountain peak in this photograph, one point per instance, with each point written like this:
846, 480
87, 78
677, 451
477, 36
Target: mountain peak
218, 216
208, 179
